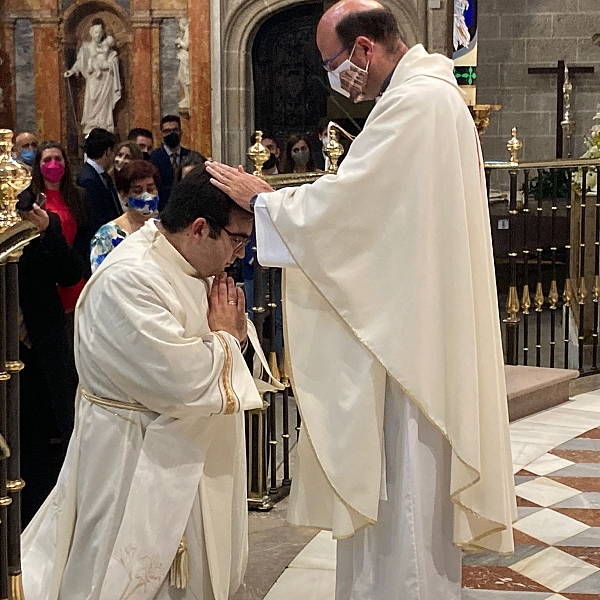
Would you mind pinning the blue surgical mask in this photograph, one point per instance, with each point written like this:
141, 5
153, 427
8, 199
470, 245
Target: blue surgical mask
146, 203
28, 156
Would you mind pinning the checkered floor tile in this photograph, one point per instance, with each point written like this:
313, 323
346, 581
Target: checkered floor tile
557, 536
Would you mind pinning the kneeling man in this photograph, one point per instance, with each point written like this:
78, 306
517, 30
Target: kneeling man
151, 501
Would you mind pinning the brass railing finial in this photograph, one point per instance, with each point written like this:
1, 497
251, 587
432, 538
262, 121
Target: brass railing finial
513, 146
258, 154
333, 150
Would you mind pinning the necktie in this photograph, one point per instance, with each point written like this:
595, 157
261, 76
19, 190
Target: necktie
174, 162
111, 189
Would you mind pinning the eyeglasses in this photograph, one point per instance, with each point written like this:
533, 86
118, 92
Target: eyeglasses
327, 63
241, 240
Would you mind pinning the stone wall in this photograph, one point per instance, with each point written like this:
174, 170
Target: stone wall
517, 34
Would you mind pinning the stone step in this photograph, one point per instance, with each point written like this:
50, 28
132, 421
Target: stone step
533, 389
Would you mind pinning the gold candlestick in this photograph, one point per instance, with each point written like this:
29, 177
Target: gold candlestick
481, 115
14, 178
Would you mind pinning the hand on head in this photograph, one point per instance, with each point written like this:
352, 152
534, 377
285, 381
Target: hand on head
240, 186
227, 308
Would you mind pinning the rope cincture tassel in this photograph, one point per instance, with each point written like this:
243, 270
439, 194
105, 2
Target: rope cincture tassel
179, 574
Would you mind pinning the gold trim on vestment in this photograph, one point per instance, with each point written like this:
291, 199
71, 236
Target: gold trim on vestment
230, 399
109, 403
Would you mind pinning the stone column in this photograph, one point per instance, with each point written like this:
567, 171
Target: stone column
49, 103
8, 112
145, 69
200, 65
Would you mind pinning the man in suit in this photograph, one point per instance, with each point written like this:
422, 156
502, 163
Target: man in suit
168, 157
102, 203
143, 139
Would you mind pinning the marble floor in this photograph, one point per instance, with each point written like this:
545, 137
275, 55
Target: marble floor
556, 457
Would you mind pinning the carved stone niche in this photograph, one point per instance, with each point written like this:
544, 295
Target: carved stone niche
75, 28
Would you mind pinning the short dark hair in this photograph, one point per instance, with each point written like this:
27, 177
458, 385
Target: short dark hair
378, 24
192, 159
137, 132
133, 170
194, 198
169, 119
98, 142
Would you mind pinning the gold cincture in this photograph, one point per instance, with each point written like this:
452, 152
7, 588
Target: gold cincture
179, 574
14, 178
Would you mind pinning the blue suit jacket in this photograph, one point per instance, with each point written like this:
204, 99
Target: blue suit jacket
162, 162
101, 203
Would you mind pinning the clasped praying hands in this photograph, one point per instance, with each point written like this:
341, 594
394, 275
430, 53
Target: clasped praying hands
240, 186
227, 308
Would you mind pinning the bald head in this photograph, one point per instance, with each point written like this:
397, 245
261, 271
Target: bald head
365, 32
25, 141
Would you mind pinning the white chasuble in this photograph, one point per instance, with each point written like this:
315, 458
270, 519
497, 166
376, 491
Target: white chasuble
136, 483
396, 291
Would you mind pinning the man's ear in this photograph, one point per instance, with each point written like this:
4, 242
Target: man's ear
366, 48
199, 228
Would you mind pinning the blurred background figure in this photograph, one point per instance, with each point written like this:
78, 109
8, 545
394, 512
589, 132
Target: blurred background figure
49, 380
25, 146
137, 186
143, 139
190, 162
169, 156
51, 176
102, 203
298, 158
125, 152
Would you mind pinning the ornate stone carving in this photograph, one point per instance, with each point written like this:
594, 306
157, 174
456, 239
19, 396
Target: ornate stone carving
183, 76
98, 62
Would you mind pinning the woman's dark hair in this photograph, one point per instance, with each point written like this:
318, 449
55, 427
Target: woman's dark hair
134, 170
378, 24
71, 194
288, 161
194, 198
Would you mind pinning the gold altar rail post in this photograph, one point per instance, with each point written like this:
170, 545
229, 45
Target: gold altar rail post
264, 489
15, 234
565, 220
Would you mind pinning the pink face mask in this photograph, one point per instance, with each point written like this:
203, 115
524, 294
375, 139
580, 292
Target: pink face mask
52, 171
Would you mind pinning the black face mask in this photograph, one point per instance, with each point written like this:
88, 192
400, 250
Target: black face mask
172, 139
271, 162
146, 155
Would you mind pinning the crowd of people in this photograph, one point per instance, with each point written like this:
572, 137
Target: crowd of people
82, 218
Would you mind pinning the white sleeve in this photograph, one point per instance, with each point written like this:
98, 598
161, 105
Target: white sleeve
271, 250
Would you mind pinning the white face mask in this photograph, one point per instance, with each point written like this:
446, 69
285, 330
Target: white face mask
349, 80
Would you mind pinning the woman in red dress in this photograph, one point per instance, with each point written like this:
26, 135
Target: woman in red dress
51, 176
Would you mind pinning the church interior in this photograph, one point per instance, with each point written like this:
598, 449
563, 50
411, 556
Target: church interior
232, 74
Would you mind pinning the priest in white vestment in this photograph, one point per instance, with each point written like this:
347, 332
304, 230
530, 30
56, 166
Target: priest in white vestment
392, 324
151, 501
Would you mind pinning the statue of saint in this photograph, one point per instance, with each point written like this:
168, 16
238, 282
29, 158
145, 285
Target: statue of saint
98, 63
183, 76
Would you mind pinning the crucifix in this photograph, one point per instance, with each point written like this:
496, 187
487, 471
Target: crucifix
559, 73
